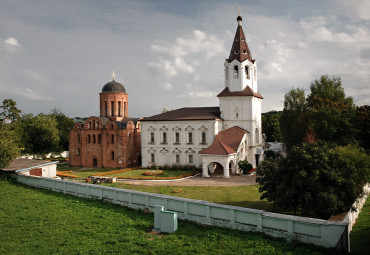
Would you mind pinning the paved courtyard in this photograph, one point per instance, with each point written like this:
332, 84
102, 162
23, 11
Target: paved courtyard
234, 180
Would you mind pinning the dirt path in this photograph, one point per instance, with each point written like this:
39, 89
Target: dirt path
234, 180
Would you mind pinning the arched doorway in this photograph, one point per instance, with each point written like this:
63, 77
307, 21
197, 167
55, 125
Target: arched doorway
215, 168
95, 162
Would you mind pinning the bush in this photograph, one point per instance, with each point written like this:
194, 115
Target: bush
245, 166
270, 154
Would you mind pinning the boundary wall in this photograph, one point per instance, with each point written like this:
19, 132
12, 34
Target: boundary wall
329, 234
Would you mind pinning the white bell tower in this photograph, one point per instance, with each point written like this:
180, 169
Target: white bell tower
240, 102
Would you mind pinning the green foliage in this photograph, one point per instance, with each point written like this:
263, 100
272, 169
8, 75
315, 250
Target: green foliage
316, 179
245, 166
293, 121
271, 126
362, 126
64, 127
270, 154
10, 110
9, 149
47, 223
40, 134
329, 89
268, 177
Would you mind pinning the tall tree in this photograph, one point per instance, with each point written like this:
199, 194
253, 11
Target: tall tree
40, 134
271, 126
9, 149
362, 125
328, 88
64, 126
293, 121
10, 110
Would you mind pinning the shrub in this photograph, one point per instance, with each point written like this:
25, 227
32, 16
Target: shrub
245, 166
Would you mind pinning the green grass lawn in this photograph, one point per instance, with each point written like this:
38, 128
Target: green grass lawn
243, 196
35, 221
360, 235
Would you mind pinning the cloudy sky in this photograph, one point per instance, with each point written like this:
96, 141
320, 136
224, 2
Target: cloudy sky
170, 54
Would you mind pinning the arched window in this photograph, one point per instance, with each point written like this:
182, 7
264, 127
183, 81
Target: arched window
105, 109
247, 72
112, 108
94, 139
119, 109
78, 152
112, 155
89, 138
99, 138
236, 72
78, 138
112, 139
89, 125
97, 125
93, 124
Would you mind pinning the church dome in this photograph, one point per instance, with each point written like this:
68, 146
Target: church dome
114, 87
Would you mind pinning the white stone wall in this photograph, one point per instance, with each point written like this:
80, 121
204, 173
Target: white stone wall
165, 153
49, 170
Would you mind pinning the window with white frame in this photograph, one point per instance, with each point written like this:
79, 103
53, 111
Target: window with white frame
152, 157
177, 158
247, 72
177, 137
190, 137
236, 72
204, 138
151, 137
164, 137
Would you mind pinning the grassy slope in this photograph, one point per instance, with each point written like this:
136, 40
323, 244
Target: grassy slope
360, 235
37, 221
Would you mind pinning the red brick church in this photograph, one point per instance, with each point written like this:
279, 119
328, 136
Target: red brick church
111, 140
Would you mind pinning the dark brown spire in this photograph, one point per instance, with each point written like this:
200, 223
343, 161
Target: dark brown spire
240, 50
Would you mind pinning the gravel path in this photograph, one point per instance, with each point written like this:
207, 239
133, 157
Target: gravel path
234, 180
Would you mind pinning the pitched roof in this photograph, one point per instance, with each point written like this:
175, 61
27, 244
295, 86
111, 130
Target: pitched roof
187, 113
226, 142
247, 91
23, 163
240, 50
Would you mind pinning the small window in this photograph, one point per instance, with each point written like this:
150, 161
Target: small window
89, 125
111, 126
112, 108
112, 139
242, 39
78, 138
99, 138
204, 137
177, 137
97, 125
190, 137
237, 39
119, 108
94, 139
236, 72
177, 159
89, 138
112, 155
236, 115
78, 152
257, 136
151, 137
245, 52
152, 157
190, 159
164, 137
236, 52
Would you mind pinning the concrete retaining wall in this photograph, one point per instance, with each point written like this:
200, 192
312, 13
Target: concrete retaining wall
319, 232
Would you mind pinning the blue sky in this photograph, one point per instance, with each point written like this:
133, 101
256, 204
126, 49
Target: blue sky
170, 54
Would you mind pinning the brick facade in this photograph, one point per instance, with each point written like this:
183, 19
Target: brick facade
112, 140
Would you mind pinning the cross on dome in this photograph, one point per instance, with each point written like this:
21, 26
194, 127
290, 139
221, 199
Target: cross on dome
113, 75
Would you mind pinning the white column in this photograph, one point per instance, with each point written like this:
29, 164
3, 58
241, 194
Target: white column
226, 171
205, 170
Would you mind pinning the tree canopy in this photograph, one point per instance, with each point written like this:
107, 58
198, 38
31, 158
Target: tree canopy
10, 110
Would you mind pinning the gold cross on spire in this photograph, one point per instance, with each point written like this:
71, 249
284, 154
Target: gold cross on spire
239, 10
113, 74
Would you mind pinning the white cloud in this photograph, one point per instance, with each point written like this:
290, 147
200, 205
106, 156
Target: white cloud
12, 42
166, 86
199, 94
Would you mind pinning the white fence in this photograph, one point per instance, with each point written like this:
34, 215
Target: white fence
307, 230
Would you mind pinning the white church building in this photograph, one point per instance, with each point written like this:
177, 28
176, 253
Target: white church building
214, 138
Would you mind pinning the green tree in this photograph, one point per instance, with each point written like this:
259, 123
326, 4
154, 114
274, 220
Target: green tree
64, 127
317, 179
362, 126
271, 126
328, 89
10, 110
245, 166
40, 134
9, 149
268, 178
293, 121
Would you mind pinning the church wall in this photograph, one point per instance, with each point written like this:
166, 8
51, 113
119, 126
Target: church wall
125, 147
165, 153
